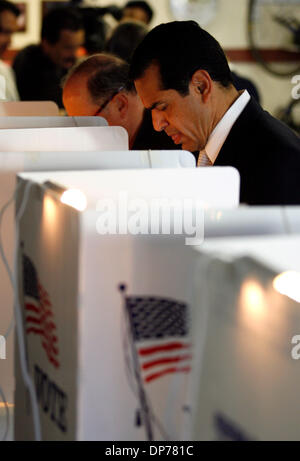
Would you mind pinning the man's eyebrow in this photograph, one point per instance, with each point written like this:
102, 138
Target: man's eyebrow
154, 105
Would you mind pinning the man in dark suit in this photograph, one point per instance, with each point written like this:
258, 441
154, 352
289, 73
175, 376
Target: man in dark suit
182, 76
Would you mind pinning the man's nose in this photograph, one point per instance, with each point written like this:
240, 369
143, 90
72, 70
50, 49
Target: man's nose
159, 121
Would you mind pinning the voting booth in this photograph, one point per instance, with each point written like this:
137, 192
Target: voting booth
64, 139
15, 122
246, 335
16, 162
250, 220
72, 275
29, 108
12, 163
220, 369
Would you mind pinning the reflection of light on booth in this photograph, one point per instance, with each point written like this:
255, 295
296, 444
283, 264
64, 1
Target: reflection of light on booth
50, 221
6, 405
74, 198
49, 210
288, 283
252, 300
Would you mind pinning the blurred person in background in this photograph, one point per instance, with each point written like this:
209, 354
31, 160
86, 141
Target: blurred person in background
9, 14
138, 10
125, 38
95, 29
99, 86
96, 22
40, 68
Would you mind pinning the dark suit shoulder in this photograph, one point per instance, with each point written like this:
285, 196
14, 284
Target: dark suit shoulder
257, 133
272, 129
266, 153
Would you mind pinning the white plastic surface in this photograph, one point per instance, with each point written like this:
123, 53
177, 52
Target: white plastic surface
214, 187
252, 221
11, 122
64, 139
280, 253
246, 380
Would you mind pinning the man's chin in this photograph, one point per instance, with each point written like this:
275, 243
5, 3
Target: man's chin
189, 146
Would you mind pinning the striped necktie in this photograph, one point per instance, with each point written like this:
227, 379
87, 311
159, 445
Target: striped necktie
203, 159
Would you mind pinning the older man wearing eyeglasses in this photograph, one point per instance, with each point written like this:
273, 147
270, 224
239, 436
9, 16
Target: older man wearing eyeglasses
99, 86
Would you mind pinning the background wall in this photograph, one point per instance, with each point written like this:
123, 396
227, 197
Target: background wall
229, 27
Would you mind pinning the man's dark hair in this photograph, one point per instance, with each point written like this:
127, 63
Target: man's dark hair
8, 6
58, 19
106, 74
180, 48
143, 6
125, 38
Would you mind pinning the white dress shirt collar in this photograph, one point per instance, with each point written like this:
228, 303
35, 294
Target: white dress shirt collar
222, 129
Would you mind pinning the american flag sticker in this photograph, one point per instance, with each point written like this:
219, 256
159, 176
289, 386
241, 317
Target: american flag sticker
159, 329
39, 317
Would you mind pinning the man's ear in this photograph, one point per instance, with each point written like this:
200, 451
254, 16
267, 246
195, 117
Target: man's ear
202, 84
121, 104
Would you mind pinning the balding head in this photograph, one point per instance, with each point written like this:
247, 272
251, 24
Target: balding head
94, 80
76, 97
99, 85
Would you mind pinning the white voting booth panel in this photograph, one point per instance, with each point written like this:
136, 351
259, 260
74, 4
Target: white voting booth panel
93, 160
245, 383
28, 108
107, 160
169, 159
11, 122
56, 139
77, 273
214, 187
64, 139
12, 163
293, 219
248, 220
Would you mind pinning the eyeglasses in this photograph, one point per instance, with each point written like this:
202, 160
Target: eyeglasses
102, 107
